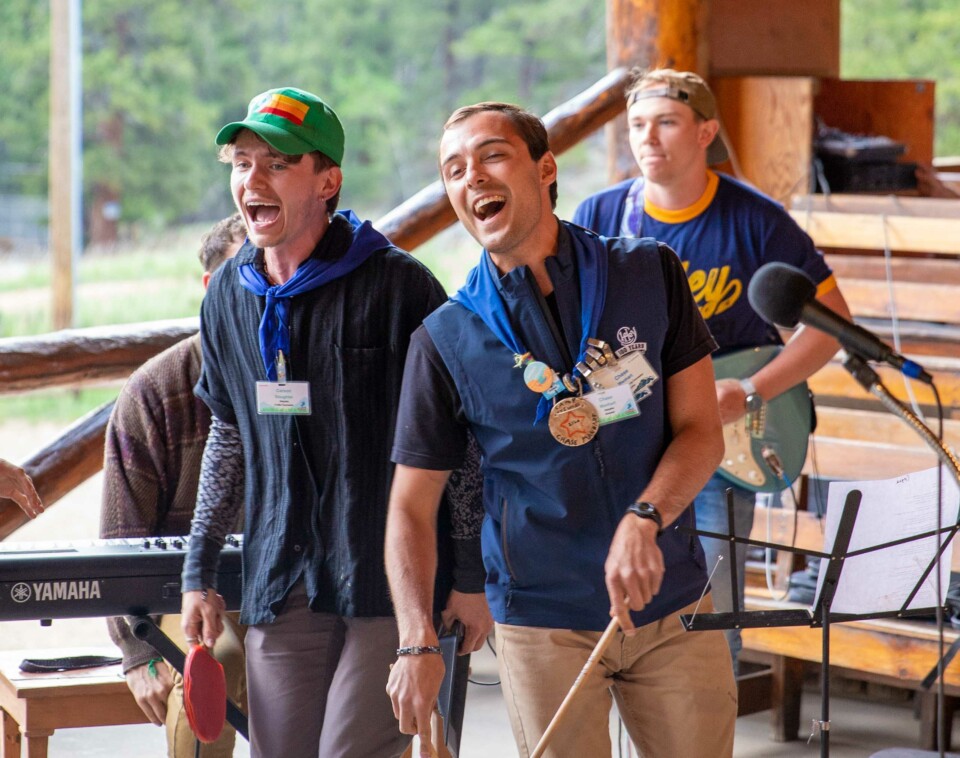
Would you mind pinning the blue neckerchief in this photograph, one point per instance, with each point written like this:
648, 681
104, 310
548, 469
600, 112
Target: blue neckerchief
312, 273
632, 222
481, 296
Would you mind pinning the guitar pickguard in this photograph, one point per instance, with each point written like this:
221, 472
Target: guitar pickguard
738, 459
765, 450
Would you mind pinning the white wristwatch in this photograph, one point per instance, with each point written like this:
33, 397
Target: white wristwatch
748, 387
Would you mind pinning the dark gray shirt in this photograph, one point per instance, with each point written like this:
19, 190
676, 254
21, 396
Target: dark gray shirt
316, 486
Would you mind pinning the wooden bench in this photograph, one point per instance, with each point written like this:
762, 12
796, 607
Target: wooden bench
35, 705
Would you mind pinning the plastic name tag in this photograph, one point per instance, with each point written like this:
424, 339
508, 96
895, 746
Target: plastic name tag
614, 404
632, 370
288, 398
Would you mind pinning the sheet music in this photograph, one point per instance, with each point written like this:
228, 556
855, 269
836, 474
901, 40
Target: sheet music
891, 509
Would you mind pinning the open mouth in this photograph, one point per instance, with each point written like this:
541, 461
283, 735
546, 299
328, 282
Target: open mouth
489, 206
262, 213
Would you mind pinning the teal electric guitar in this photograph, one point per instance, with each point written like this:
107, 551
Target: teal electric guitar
768, 445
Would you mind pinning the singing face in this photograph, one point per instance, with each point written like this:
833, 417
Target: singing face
500, 194
282, 198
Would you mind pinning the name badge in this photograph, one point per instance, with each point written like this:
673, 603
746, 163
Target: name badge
614, 404
632, 370
288, 398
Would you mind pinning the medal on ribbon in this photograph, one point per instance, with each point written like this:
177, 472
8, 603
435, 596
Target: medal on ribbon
481, 295
574, 421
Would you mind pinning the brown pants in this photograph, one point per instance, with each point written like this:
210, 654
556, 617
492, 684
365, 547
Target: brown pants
317, 685
674, 689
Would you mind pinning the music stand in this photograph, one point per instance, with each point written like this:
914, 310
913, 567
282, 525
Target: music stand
821, 615
144, 628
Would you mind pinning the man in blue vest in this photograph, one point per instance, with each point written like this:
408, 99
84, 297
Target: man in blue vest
582, 368
723, 232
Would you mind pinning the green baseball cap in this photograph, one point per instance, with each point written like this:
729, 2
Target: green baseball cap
687, 88
292, 121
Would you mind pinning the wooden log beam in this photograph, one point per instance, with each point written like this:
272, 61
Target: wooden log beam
82, 356
429, 212
62, 465
648, 33
766, 126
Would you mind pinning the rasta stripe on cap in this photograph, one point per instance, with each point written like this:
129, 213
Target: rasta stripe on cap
286, 107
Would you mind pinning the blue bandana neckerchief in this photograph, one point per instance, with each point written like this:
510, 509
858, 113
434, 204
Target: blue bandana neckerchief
481, 296
312, 273
631, 225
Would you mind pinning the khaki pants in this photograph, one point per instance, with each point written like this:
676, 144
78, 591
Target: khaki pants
674, 689
181, 742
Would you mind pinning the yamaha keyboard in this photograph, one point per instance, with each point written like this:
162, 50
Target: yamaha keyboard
115, 577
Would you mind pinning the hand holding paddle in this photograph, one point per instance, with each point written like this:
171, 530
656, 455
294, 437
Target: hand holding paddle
204, 694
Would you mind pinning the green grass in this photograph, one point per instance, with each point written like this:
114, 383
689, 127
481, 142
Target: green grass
157, 279
29, 277
60, 406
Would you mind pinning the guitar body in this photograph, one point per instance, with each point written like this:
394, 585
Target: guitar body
755, 444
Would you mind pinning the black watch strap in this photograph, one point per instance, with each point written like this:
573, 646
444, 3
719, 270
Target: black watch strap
644, 509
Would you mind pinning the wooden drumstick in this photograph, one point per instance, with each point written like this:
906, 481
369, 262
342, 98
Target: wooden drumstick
602, 644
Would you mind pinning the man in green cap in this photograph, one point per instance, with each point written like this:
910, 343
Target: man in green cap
304, 336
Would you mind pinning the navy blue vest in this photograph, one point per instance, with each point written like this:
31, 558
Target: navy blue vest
551, 510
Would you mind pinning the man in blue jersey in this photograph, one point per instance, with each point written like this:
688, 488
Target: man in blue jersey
723, 232
590, 462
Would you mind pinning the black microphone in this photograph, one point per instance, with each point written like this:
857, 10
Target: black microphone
785, 296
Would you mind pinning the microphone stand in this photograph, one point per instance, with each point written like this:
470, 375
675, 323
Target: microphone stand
867, 378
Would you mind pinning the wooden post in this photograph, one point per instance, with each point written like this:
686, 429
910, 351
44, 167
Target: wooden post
648, 33
64, 170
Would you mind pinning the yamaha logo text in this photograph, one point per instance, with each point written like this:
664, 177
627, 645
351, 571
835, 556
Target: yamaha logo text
23, 592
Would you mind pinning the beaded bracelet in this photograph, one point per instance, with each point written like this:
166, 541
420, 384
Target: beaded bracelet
419, 650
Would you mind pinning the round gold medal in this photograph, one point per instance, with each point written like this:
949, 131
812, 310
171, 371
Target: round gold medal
573, 422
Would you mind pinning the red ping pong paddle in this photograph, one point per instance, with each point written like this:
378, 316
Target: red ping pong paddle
204, 694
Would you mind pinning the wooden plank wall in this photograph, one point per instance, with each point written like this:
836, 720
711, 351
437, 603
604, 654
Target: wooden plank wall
855, 437
774, 37
767, 122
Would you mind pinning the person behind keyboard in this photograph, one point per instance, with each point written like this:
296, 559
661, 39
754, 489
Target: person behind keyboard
154, 444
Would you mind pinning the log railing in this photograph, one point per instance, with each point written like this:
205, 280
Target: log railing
75, 357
